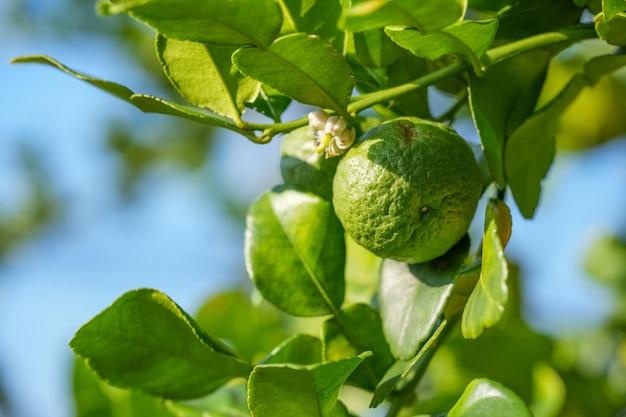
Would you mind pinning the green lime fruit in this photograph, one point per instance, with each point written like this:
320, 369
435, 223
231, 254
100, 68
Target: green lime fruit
303, 167
407, 189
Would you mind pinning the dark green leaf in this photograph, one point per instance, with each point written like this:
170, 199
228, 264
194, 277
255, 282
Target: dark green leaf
530, 17
502, 99
205, 76
299, 349
485, 305
374, 49
530, 149
314, 17
219, 22
303, 67
295, 252
145, 103
468, 40
360, 330
145, 342
426, 15
612, 31
486, 398
270, 103
299, 390
412, 297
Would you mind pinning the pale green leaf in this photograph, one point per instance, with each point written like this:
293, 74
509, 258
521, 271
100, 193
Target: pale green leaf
486, 398
549, 391
468, 40
145, 342
485, 305
360, 330
303, 67
412, 297
228, 401
612, 8
205, 76
219, 22
299, 390
295, 252
502, 99
426, 15
145, 103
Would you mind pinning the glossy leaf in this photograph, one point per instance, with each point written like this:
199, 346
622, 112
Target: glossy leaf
145, 342
413, 296
485, 305
468, 40
300, 390
313, 17
426, 15
502, 99
205, 76
304, 68
295, 252
218, 22
360, 330
143, 102
486, 398
299, 349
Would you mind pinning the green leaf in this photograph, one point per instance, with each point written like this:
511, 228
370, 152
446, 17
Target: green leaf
374, 49
300, 390
426, 15
270, 103
612, 31
228, 401
358, 330
218, 22
252, 330
145, 342
485, 305
549, 391
502, 99
313, 17
413, 296
299, 349
611, 8
468, 39
486, 398
143, 102
529, 152
205, 76
295, 252
303, 67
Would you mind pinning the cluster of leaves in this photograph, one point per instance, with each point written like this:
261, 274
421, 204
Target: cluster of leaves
226, 56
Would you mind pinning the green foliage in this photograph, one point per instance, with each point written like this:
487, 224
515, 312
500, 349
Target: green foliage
362, 62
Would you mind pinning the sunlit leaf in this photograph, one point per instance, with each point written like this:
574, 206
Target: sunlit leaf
426, 15
303, 67
502, 99
228, 401
143, 102
468, 40
486, 398
412, 297
611, 8
145, 342
300, 390
295, 252
270, 103
485, 305
359, 329
219, 22
314, 17
205, 76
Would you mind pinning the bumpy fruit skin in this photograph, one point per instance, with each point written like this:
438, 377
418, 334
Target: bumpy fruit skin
303, 167
407, 190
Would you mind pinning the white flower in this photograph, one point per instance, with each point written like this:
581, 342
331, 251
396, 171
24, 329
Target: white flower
332, 135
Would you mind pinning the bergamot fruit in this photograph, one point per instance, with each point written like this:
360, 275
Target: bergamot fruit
407, 189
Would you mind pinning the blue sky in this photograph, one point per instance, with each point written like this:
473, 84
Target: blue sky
176, 240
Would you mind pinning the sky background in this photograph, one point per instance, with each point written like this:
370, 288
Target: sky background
178, 238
